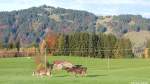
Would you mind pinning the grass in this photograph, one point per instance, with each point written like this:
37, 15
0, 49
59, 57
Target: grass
121, 71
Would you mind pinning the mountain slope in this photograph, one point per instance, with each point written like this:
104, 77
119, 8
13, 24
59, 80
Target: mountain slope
122, 24
29, 26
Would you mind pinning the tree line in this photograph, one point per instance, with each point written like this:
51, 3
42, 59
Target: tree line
85, 44
99, 45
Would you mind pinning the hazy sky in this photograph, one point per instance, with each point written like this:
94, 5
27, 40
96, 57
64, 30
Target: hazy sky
98, 7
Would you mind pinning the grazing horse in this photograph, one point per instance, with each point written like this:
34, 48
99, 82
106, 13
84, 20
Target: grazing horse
59, 64
77, 70
42, 71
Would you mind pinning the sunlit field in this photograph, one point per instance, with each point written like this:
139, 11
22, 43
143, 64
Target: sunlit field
100, 71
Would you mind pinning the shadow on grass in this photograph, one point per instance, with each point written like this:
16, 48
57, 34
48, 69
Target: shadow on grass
95, 75
85, 76
62, 76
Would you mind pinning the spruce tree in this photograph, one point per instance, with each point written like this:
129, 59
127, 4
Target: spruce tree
123, 49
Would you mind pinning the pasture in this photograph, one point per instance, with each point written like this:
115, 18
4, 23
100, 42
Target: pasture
121, 71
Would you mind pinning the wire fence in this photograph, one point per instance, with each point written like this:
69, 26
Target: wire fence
67, 51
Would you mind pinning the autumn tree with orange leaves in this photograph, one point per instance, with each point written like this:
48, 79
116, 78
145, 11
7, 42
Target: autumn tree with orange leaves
49, 42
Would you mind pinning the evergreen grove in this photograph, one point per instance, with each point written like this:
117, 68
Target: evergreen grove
93, 45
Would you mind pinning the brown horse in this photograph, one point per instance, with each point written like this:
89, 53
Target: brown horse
77, 70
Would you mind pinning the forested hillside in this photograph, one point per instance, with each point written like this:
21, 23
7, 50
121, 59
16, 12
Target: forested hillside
28, 27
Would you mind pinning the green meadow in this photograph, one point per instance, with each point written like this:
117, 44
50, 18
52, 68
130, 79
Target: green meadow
100, 71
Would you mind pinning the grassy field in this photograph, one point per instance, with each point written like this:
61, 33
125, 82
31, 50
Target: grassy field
121, 71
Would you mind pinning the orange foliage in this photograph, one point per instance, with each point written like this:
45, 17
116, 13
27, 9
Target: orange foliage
49, 42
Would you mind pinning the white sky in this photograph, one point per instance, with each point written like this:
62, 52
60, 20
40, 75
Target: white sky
99, 7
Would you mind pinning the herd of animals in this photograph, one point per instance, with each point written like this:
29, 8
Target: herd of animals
58, 65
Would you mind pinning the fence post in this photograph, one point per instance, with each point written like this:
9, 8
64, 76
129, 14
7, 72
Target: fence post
108, 63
